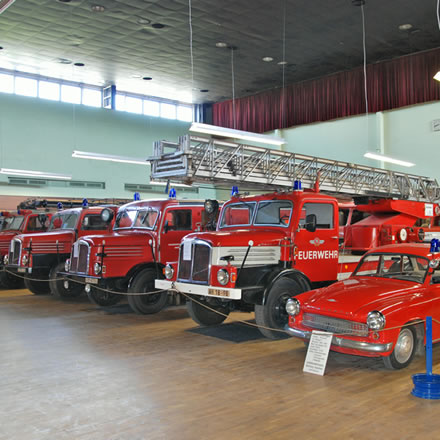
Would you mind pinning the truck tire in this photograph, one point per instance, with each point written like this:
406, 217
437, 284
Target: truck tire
103, 298
37, 287
56, 284
273, 313
10, 281
146, 304
204, 316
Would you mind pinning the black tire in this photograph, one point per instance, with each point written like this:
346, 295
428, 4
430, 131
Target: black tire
37, 287
404, 349
204, 316
10, 281
146, 304
103, 298
273, 313
56, 284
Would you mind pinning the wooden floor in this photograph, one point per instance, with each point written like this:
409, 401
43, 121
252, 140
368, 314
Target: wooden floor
72, 371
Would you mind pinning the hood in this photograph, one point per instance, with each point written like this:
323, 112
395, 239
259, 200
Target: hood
241, 237
355, 297
62, 235
123, 238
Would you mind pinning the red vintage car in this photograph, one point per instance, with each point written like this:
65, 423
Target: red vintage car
377, 311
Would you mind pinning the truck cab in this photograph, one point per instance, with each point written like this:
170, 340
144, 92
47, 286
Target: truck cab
265, 249
13, 224
41, 256
146, 234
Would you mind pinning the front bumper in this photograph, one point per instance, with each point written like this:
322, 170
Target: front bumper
342, 342
18, 269
198, 289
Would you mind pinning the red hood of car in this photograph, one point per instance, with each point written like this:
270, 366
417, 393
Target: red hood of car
241, 237
61, 235
122, 238
356, 297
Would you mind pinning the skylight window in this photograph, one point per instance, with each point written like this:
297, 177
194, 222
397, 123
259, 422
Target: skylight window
49, 90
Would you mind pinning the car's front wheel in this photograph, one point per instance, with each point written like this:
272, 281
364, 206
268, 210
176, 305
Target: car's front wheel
404, 349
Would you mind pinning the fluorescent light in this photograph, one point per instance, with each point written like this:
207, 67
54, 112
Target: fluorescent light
235, 134
37, 174
388, 159
177, 185
4, 4
109, 157
437, 76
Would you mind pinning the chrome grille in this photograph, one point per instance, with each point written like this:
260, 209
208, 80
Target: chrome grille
14, 252
197, 268
79, 260
334, 325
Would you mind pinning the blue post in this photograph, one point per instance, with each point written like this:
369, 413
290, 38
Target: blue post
429, 345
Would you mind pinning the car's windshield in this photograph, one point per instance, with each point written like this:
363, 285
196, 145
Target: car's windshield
267, 213
64, 220
136, 218
398, 266
13, 223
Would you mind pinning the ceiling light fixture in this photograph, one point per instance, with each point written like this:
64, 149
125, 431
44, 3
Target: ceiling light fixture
97, 8
180, 185
147, 78
221, 44
437, 76
4, 4
143, 21
235, 134
267, 59
109, 157
79, 64
383, 158
405, 27
282, 63
36, 174
157, 25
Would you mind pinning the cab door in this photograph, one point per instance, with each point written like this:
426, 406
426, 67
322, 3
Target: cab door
317, 251
177, 223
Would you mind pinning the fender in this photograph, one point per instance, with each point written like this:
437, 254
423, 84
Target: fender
294, 274
136, 269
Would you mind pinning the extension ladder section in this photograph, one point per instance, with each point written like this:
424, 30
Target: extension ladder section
205, 159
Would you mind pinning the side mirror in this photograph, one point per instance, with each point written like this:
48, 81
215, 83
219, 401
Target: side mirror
311, 222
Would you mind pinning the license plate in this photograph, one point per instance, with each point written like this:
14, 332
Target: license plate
21, 269
92, 280
218, 292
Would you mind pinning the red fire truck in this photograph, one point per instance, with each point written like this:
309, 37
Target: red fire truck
39, 257
390, 222
146, 234
24, 221
267, 248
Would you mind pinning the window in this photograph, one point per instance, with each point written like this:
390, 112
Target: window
6, 83
146, 218
26, 86
37, 223
71, 94
92, 97
151, 108
14, 223
238, 214
120, 102
274, 213
323, 212
167, 110
65, 220
133, 105
49, 90
94, 222
184, 113
178, 220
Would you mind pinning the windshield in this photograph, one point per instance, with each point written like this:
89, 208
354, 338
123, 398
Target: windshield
267, 213
398, 266
65, 220
13, 223
136, 218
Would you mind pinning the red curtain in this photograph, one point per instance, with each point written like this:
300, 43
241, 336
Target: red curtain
391, 84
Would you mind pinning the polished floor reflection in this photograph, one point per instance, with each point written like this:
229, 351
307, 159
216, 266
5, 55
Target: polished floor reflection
72, 371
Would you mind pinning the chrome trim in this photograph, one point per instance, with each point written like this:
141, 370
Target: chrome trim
83, 242
11, 253
342, 342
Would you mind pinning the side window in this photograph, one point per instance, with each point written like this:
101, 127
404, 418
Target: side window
93, 222
35, 224
179, 220
323, 212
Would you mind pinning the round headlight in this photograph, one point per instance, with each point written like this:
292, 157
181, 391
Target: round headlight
106, 215
87, 288
223, 277
403, 234
97, 268
375, 321
293, 306
211, 206
24, 260
6, 260
168, 271
67, 265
